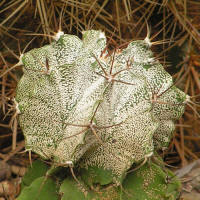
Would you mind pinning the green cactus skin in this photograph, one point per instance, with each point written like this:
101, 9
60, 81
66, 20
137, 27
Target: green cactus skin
83, 108
149, 182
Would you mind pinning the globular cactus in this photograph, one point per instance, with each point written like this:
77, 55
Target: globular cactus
80, 105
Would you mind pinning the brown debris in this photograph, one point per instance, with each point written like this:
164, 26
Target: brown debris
173, 24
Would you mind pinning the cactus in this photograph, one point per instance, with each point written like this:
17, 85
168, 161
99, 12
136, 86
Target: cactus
84, 108
149, 182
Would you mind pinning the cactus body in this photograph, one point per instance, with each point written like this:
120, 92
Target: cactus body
82, 107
